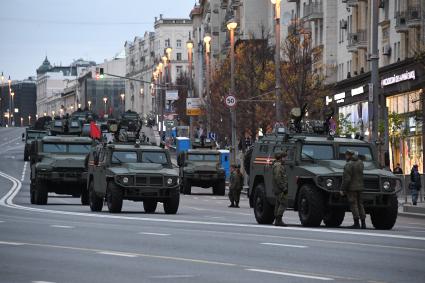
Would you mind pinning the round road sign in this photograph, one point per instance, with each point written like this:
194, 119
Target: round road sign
230, 101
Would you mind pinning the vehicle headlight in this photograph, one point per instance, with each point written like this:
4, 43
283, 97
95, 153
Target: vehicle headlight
386, 185
169, 181
329, 183
125, 180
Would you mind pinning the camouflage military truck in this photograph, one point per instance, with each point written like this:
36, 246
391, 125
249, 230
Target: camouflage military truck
65, 126
201, 168
314, 167
31, 135
118, 172
58, 166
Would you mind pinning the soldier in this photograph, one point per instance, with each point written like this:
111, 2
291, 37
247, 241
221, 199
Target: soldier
352, 186
235, 188
280, 187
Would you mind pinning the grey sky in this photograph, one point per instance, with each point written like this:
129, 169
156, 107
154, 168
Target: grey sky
66, 30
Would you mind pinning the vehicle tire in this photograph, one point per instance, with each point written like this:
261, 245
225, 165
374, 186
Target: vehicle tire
40, 193
385, 218
220, 188
187, 187
334, 217
150, 206
310, 206
26, 157
95, 202
263, 211
171, 205
114, 197
85, 197
247, 160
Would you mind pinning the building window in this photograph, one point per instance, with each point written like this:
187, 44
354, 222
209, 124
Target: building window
167, 43
178, 43
179, 56
179, 70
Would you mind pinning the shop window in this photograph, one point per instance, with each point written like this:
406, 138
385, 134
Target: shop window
414, 101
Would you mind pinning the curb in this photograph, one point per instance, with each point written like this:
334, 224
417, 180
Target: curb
412, 215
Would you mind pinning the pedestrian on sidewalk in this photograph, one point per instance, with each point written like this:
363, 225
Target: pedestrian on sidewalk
415, 183
280, 187
397, 170
236, 185
352, 187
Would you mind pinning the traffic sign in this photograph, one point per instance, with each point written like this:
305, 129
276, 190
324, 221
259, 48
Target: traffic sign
230, 101
170, 123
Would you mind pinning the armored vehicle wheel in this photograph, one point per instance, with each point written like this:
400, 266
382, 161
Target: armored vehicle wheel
150, 205
32, 193
385, 218
263, 211
334, 217
219, 189
96, 203
114, 197
310, 206
85, 197
187, 187
26, 157
40, 193
171, 205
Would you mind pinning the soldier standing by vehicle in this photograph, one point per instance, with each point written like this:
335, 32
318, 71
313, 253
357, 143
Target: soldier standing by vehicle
235, 188
352, 186
280, 188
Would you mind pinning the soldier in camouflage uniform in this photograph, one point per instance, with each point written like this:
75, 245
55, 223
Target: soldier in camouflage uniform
280, 188
352, 187
236, 185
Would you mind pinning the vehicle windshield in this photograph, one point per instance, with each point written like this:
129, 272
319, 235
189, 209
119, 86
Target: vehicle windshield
203, 157
66, 148
35, 135
317, 152
124, 157
364, 152
157, 157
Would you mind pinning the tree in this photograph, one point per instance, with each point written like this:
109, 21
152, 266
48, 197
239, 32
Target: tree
180, 103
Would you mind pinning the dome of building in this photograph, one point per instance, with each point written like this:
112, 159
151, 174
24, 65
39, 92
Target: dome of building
45, 67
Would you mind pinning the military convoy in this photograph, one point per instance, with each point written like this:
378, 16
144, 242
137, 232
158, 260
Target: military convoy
29, 136
135, 172
314, 168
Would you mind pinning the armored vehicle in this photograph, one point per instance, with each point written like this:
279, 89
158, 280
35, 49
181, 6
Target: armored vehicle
120, 171
314, 167
58, 166
31, 135
202, 168
66, 126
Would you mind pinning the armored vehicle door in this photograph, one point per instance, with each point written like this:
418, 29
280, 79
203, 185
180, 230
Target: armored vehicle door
265, 157
99, 170
289, 166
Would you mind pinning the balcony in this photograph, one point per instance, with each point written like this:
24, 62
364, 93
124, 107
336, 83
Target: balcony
357, 40
400, 22
413, 16
313, 11
353, 3
299, 27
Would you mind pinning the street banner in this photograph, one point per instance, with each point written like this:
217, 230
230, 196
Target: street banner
172, 95
193, 106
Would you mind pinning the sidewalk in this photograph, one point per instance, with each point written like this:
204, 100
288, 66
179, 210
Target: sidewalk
409, 210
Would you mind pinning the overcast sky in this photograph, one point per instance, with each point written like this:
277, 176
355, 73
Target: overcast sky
65, 30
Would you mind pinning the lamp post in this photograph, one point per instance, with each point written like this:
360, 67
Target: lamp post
122, 102
1, 98
207, 41
10, 101
278, 86
231, 26
29, 120
189, 45
105, 100
12, 94
89, 103
160, 99
22, 121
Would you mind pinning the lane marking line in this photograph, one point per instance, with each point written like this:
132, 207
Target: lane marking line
42, 282
284, 245
7, 201
1, 221
291, 274
154, 234
118, 254
11, 243
62, 226
24, 171
171, 276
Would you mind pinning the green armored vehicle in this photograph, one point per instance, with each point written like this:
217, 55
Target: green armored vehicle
58, 166
118, 172
66, 126
31, 135
314, 167
201, 168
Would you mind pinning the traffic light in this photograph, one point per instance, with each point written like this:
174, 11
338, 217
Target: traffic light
101, 73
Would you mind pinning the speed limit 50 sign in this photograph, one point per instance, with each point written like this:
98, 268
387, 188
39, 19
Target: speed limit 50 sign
230, 101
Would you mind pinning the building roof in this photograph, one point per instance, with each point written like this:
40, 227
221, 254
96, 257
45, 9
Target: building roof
44, 67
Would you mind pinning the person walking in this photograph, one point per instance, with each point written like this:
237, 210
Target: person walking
397, 170
415, 183
352, 187
280, 187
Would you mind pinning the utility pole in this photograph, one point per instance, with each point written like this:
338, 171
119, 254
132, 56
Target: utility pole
231, 25
278, 86
374, 87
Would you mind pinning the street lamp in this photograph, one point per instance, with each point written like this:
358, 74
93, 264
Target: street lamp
10, 101
105, 100
45, 114
89, 103
122, 102
189, 45
12, 94
1, 97
278, 86
207, 41
53, 113
79, 105
168, 51
22, 121
29, 120
231, 26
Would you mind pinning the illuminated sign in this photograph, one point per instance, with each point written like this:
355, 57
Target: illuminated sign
328, 100
398, 78
357, 91
339, 96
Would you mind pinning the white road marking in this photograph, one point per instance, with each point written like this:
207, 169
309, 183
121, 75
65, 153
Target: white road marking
42, 282
1, 221
23, 171
195, 198
291, 274
62, 226
284, 245
11, 243
117, 254
154, 234
7, 201
171, 276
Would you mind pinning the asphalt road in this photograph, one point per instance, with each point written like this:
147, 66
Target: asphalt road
205, 242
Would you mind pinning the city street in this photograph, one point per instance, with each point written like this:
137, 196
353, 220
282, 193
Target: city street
205, 242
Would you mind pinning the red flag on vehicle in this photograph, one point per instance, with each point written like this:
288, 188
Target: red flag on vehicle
94, 131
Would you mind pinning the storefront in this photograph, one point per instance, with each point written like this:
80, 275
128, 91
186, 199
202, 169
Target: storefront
402, 85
